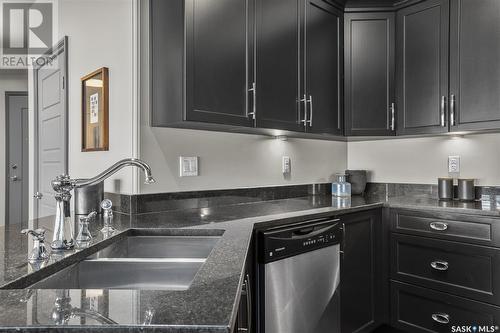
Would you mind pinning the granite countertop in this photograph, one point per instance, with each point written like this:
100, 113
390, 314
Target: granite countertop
209, 305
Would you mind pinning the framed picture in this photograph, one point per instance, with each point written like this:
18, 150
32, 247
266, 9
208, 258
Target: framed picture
95, 111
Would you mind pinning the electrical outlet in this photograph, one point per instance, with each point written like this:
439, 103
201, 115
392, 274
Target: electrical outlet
188, 166
453, 164
285, 165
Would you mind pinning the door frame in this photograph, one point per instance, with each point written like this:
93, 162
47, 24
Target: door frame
8, 95
60, 48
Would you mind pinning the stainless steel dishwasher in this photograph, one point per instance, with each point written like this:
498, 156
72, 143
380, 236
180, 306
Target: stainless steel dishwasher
298, 269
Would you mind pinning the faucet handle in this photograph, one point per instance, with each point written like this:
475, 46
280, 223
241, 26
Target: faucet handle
38, 234
39, 252
89, 217
107, 206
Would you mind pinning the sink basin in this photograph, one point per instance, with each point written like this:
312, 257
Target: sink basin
135, 274
137, 262
160, 247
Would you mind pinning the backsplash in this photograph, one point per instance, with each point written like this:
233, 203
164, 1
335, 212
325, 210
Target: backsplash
161, 202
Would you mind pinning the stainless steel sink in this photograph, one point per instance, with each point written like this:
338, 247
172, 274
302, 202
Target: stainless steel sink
137, 262
133, 274
160, 247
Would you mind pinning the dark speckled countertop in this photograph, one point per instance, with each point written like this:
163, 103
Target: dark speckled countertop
210, 303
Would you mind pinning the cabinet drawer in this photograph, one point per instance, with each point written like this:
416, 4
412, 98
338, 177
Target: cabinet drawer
417, 309
468, 228
467, 270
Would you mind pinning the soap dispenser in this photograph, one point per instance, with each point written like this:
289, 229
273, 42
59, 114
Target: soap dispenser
341, 188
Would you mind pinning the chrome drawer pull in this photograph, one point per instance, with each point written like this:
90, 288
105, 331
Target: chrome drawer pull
441, 318
438, 226
440, 265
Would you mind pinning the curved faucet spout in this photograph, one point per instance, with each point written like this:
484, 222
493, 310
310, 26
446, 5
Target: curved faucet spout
114, 168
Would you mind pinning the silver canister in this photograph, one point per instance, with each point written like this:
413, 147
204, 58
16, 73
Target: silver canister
88, 199
466, 190
445, 188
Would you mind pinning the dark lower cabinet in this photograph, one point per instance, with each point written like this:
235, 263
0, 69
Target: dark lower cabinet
369, 74
360, 291
416, 309
323, 55
422, 67
462, 269
474, 65
444, 271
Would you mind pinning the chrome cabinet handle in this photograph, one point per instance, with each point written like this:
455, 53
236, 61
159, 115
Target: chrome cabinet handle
310, 101
443, 108
38, 195
440, 265
14, 178
304, 101
441, 318
438, 226
393, 116
253, 90
452, 110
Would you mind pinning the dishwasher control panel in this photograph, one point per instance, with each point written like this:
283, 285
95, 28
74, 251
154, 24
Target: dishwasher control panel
287, 241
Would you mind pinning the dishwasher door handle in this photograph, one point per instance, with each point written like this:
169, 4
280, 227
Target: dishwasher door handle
307, 232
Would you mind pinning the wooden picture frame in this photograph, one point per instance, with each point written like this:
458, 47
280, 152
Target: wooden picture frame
95, 111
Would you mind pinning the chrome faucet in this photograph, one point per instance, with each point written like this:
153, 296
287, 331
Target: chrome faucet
63, 185
39, 252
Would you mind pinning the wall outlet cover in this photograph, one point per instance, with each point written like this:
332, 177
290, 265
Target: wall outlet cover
453, 164
286, 165
188, 166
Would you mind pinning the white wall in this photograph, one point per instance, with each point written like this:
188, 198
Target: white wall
236, 160
423, 160
100, 35
8, 82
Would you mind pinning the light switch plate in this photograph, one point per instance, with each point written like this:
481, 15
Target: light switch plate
285, 165
453, 164
188, 166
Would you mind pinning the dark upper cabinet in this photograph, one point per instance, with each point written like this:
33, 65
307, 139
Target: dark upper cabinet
278, 64
360, 271
323, 59
218, 65
369, 74
422, 67
474, 65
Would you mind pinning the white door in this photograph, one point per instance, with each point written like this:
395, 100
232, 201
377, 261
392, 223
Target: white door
52, 127
17, 157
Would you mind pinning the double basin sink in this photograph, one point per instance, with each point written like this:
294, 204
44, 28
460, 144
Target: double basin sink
137, 262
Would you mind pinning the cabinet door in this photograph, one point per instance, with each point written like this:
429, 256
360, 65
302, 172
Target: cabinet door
323, 58
360, 272
474, 65
217, 61
277, 64
422, 67
369, 74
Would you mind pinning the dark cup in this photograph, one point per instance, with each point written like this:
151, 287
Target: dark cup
466, 190
445, 188
357, 178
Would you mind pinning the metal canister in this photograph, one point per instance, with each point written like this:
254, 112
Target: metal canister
466, 189
88, 199
445, 188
